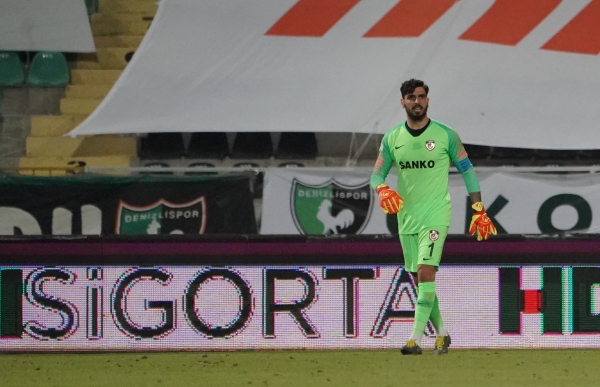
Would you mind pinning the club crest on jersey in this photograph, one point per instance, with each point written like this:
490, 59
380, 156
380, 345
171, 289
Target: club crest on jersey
331, 207
429, 144
434, 235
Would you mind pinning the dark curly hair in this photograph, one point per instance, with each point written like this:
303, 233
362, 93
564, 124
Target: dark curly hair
409, 86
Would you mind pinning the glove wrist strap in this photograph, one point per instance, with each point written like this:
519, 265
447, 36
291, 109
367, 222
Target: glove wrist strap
380, 187
478, 208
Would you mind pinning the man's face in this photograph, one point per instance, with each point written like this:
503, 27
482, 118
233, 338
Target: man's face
416, 104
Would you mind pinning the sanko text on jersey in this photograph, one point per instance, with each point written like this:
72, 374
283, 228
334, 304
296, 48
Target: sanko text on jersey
416, 164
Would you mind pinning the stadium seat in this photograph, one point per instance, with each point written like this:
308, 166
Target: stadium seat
11, 70
553, 155
209, 165
291, 164
512, 153
208, 145
91, 6
48, 69
297, 145
159, 165
252, 145
590, 155
246, 165
162, 146
478, 152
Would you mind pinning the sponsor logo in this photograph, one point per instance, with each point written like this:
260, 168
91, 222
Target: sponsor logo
434, 235
162, 217
430, 145
416, 164
331, 208
398, 147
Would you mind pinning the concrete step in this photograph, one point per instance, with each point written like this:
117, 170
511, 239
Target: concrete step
114, 58
13, 134
87, 91
118, 41
57, 166
130, 6
117, 27
79, 106
87, 61
32, 100
9, 163
83, 146
94, 77
44, 126
103, 18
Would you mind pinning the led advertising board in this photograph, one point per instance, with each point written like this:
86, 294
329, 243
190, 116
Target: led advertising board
143, 305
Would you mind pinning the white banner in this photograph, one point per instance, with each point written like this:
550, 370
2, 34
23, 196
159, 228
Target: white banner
303, 65
45, 25
332, 201
314, 307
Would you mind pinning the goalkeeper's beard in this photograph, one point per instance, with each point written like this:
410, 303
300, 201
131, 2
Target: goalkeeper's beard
417, 117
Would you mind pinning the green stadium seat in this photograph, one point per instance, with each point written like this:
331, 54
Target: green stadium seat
91, 6
11, 70
48, 69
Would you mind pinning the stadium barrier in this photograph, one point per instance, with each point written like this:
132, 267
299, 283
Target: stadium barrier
181, 292
103, 205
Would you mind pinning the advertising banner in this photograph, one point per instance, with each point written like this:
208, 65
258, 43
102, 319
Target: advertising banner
92, 205
317, 307
340, 201
264, 293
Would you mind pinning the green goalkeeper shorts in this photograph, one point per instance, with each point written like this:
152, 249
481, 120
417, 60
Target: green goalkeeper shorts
424, 248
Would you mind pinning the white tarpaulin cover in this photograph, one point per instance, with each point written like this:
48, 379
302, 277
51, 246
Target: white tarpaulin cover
502, 73
45, 25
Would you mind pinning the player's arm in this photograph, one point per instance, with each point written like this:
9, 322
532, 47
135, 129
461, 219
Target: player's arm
389, 200
481, 224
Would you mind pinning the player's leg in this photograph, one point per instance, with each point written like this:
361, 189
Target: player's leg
410, 250
431, 243
437, 237
436, 318
436, 315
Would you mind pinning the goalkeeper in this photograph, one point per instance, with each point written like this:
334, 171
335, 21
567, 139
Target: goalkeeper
421, 149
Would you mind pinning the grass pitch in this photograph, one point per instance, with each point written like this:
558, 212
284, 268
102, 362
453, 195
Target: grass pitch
472, 368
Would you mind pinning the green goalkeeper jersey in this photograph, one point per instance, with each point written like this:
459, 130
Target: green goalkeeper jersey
422, 165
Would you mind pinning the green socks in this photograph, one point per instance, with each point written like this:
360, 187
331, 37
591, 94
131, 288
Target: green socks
425, 303
436, 319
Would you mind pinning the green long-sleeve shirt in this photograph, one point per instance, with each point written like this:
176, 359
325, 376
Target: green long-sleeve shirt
422, 164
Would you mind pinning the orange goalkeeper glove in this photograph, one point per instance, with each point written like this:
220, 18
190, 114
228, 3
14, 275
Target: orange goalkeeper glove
481, 223
389, 200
